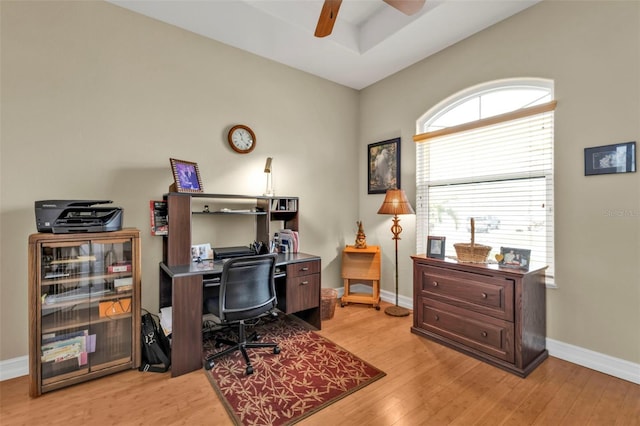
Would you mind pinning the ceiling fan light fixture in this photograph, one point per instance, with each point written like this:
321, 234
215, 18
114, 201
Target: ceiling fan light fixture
408, 7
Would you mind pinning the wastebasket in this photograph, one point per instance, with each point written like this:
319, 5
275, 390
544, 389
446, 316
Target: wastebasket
329, 297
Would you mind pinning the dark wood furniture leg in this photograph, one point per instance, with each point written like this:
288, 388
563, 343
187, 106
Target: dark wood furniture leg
187, 325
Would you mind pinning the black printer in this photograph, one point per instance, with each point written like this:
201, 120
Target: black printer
69, 216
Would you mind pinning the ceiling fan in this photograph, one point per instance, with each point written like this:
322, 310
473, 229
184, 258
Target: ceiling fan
330, 8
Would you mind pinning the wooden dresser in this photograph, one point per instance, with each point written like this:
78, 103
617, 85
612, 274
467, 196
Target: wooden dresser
495, 314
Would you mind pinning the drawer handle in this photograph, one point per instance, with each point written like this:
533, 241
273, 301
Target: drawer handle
304, 283
304, 269
484, 334
435, 283
484, 295
437, 317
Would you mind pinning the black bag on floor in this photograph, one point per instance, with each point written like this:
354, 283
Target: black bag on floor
155, 347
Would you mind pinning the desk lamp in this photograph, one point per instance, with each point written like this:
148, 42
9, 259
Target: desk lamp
395, 203
267, 169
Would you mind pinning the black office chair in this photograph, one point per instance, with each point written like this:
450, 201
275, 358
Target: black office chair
247, 292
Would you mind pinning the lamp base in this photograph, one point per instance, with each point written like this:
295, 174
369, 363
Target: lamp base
396, 311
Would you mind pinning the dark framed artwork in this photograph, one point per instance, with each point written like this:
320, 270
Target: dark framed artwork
515, 258
435, 247
607, 159
186, 176
383, 166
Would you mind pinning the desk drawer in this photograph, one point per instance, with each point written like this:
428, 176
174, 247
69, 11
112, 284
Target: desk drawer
486, 334
480, 293
303, 268
302, 293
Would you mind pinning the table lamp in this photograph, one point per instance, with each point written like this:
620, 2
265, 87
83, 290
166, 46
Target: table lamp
396, 203
267, 169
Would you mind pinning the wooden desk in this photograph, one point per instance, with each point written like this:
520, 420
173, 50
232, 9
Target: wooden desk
361, 265
181, 287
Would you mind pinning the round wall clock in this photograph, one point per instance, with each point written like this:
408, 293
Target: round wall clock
241, 139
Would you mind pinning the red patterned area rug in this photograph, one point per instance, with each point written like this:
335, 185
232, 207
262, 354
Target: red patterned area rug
310, 373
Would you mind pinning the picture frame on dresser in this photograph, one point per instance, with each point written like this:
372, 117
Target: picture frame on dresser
186, 176
436, 247
515, 258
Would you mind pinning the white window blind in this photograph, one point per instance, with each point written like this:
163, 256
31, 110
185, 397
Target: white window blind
501, 174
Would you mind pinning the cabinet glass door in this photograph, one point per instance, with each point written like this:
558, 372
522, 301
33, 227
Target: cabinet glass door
85, 317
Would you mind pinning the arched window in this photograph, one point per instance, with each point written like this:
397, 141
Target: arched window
487, 153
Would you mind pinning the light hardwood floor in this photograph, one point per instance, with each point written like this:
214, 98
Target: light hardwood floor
426, 384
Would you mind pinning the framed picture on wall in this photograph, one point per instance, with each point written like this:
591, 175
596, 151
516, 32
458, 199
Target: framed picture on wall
383, 166
186, 176
607, 159
435, 247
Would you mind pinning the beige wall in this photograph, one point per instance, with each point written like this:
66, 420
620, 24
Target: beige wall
592, 52
95, 100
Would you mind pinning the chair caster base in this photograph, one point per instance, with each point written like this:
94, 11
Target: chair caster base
209, 364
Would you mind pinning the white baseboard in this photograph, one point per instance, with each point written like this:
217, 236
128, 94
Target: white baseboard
14, 367
606, 364
593, 360
387, 296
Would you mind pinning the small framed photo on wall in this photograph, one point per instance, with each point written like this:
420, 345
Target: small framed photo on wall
435, 247
608, 159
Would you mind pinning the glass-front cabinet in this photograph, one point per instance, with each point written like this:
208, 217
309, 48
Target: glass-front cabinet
84, 312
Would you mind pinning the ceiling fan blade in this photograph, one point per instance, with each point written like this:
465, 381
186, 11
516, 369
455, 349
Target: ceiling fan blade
408, 7
328, 17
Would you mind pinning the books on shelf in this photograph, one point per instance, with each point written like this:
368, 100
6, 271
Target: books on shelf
119, 267
284, 204
66, 352
123, 285
158, 216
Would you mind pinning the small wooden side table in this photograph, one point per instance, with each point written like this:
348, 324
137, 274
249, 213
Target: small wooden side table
362, 265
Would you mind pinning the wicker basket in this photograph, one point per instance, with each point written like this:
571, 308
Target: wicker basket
328, 298
472, 253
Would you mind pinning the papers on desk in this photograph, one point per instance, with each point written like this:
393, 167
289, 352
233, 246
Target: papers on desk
166, 320
289, 241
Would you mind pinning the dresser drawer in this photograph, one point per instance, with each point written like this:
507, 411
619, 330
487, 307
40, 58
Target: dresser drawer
487, 334
484, 294
303, 268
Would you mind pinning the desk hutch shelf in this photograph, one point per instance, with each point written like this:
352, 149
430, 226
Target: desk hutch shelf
177, 245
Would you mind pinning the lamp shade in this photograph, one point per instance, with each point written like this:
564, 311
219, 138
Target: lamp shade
395, 203
267, 165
